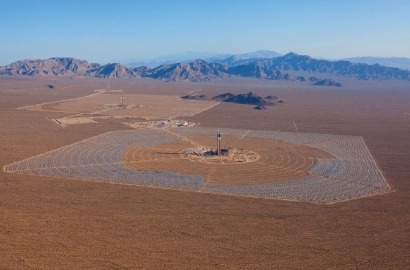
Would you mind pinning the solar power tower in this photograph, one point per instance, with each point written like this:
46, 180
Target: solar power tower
218, 143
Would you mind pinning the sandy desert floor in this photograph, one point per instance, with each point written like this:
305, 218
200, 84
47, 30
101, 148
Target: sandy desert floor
49, 223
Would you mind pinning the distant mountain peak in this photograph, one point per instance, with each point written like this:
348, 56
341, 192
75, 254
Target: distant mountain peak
244, 58
115, 70
292, 55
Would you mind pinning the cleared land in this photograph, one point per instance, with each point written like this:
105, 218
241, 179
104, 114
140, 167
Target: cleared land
50, 222
107, 104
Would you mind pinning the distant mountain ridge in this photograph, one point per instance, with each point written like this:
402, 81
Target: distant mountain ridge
244, 58
175, 58
197, 70
398, 62
289, 67
291, 64
207, 56
66, 67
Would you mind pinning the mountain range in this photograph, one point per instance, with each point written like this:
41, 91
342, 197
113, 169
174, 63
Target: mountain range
293, 63
398, 62
288, 67
66, 67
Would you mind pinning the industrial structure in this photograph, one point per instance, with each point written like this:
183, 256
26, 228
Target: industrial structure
218, 143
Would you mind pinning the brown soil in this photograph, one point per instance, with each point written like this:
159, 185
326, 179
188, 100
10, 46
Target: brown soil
276, 161
52, 223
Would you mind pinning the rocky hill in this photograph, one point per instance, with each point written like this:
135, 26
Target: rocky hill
223, 97
327, 82
195, 97
249, 99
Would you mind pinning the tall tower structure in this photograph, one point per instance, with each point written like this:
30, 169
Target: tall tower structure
122, 101
218, 143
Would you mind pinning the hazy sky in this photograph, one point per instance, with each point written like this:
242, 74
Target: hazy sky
107, 31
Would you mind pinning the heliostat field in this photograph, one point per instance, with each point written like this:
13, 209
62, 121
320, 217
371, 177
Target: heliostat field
306, 167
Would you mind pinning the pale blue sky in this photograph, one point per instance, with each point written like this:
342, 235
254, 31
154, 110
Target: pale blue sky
107, 31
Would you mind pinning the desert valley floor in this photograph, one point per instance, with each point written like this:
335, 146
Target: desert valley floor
49, 221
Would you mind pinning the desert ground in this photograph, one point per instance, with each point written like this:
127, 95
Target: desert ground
49, 222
